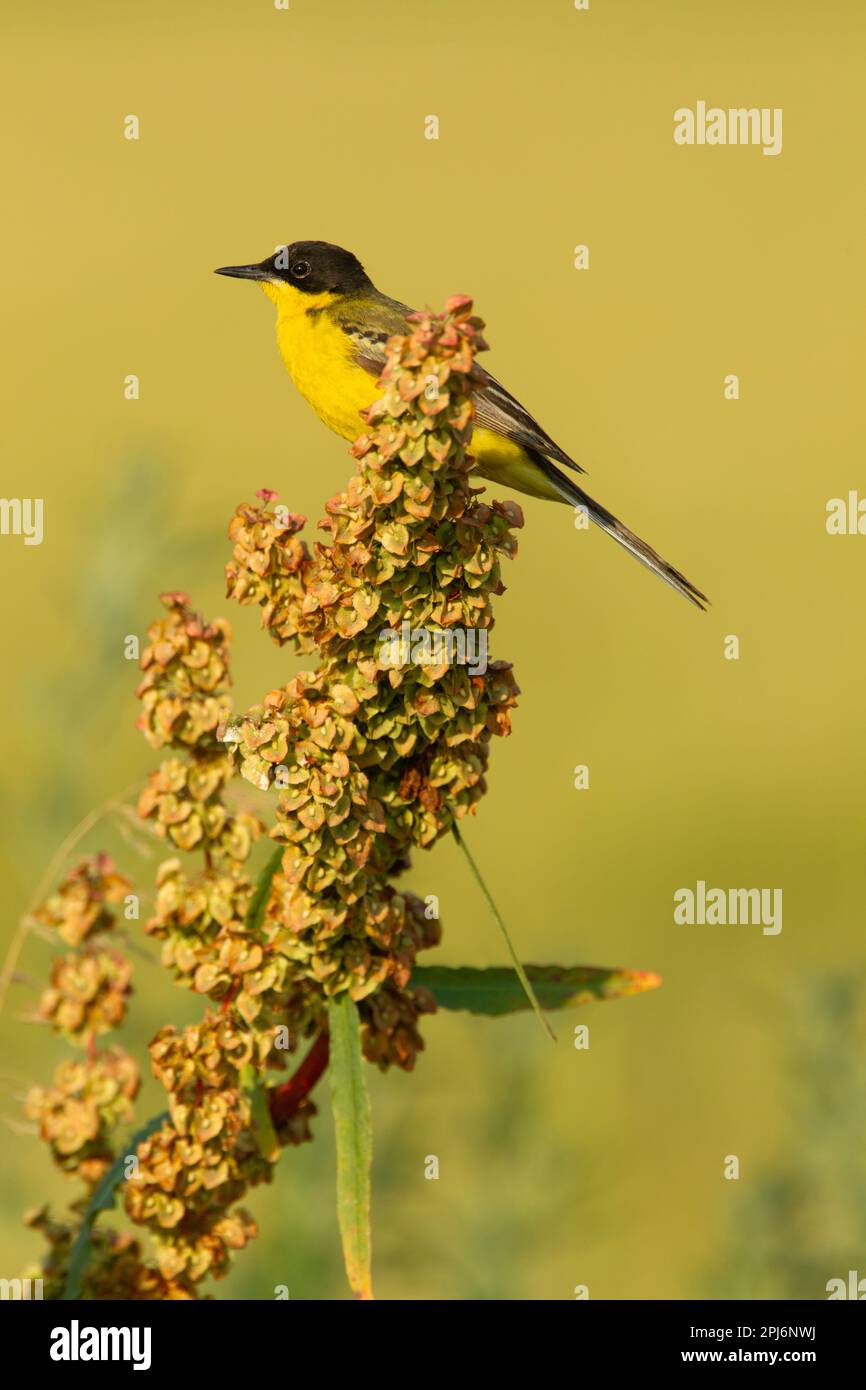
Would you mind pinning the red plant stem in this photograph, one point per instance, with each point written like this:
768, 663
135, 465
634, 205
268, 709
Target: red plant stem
285, 1099
226, 1004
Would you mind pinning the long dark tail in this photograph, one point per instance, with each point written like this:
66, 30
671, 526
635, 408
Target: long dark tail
570, 492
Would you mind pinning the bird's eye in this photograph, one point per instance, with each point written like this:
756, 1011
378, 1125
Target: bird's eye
300, 269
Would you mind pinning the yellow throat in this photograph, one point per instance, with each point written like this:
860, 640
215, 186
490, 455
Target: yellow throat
318, 357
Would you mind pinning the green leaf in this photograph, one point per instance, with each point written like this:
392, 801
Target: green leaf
262, 1125
102, 1200
259, 901
354, 1141
497, 990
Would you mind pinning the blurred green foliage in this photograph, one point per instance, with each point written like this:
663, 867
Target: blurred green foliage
800, 1220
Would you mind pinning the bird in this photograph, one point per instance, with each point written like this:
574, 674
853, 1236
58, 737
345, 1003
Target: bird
332, 329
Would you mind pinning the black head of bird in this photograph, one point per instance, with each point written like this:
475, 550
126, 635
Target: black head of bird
310, 267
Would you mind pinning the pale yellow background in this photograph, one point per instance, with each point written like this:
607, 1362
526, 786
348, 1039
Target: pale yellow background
259, 126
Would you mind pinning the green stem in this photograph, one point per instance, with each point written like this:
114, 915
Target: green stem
65, 849
515, 959
102, 1199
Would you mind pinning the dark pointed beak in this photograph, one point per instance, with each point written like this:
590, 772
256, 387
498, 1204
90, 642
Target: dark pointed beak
245, 272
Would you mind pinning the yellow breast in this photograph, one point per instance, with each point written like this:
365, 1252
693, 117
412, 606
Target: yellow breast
318, 356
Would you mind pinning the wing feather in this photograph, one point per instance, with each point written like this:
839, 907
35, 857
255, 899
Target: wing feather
369, 323
496, 409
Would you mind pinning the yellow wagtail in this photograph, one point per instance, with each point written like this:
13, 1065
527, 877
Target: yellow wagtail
332, 326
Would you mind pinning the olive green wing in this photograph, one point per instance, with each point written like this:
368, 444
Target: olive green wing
369, 321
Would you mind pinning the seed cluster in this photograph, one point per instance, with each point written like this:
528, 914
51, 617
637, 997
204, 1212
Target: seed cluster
93, 1095
194, 1170
370, 759
87, 997
367, 759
